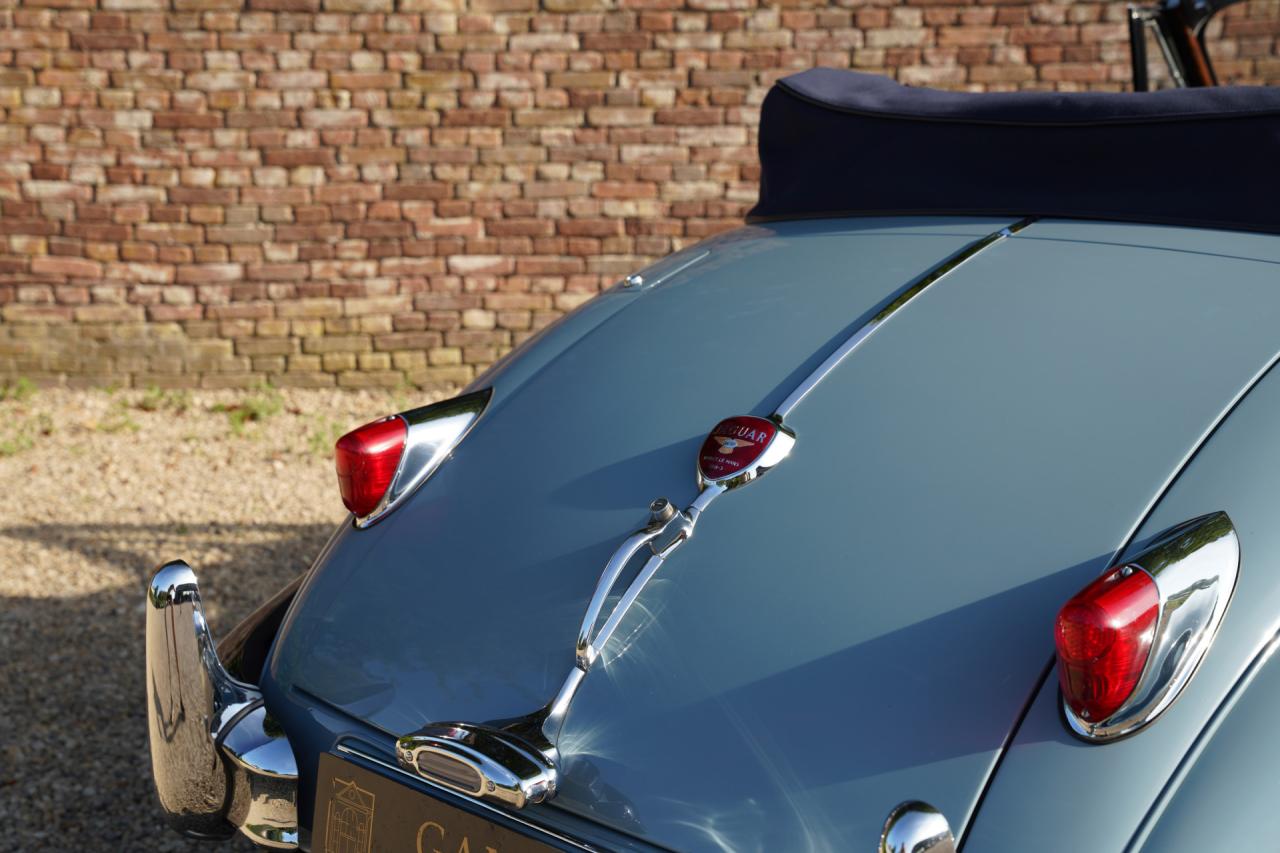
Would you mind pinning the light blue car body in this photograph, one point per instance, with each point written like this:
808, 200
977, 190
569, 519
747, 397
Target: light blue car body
873, 621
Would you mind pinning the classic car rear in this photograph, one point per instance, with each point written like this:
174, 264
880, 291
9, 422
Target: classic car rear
990, 406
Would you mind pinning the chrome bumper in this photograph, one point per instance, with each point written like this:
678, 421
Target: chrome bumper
219, 762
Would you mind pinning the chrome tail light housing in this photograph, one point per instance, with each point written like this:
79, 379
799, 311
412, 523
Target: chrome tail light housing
1161, 609
382, 463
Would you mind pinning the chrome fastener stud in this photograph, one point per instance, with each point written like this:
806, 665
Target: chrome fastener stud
661, 511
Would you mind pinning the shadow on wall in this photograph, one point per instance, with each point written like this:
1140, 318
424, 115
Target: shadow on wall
74, 765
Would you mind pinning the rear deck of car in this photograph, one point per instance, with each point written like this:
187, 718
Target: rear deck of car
867, 624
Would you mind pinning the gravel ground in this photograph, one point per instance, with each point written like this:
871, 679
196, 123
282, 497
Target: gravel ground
98, 489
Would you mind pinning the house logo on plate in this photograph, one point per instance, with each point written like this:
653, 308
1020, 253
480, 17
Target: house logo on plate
349, 823
734, 445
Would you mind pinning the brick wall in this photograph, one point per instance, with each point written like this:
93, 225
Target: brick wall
368, 192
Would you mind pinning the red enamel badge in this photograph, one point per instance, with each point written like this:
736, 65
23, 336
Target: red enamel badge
734, 445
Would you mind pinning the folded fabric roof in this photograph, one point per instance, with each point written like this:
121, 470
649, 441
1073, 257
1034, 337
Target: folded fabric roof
843, 143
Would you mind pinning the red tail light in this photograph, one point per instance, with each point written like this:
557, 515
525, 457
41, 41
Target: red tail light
1104, 637
367, 459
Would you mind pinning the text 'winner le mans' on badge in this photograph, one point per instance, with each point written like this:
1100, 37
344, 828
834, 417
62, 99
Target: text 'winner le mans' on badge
734, 445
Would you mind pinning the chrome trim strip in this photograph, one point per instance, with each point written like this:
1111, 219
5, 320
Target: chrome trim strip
636, 281
219, 763
882, 316
542, 830
1195, 567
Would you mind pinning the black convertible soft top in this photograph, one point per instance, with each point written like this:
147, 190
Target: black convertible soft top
842, 143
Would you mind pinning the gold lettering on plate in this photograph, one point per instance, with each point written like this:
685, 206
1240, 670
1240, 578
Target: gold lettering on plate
441, 834
348, 826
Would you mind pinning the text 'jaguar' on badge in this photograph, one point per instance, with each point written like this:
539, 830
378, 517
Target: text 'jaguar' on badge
740, 448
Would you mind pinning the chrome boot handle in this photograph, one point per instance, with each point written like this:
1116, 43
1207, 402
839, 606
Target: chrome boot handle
668, 528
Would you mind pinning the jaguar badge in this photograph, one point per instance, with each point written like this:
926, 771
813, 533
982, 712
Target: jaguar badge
740, 449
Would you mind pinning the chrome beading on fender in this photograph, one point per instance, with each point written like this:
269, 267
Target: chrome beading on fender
219, 762
916, 827
1195, 567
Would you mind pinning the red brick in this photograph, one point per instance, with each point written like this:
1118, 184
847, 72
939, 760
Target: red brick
220, 163
208, 273
68, 267
334, 118
182, 120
